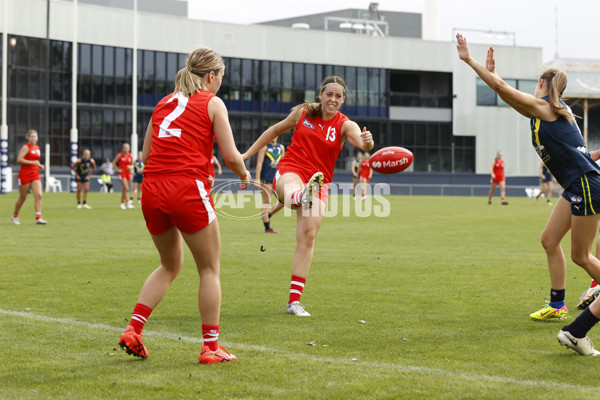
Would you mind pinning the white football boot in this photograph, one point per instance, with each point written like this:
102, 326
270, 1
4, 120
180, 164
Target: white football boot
15, 220
311, 189
588, 297
582, 346
297, 309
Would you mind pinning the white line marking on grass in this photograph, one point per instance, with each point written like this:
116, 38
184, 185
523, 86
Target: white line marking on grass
402, 368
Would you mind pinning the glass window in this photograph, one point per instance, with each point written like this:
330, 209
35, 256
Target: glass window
286, 72
362, 91
36, 52
527, 86
433, 137
85, 59
510, 82
421, 134
108, 123
120, 62
161, 65
97, 90
246, 72
148, 64
172, 66
275, 76
109, 61
235, 71
97, 60
485, 95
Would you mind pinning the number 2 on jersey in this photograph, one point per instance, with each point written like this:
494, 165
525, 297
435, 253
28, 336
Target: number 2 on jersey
330, 134
164, 130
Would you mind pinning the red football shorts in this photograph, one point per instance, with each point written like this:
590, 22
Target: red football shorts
365, 176
498, 179
305, 176
178, 201
125, 175
27, 177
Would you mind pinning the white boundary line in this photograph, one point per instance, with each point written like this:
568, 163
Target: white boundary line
402, 368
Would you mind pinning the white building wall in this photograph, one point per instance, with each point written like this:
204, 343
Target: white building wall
496, 128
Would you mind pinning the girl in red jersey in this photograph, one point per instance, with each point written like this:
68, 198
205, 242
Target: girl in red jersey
366, 173
29, 177
356, 171
305, 171
497, 171
177, 205
123, 164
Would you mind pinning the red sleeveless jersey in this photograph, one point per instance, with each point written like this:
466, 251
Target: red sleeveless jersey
499, 169
182, 136
316, 145
34, 154
365, 169
125, 161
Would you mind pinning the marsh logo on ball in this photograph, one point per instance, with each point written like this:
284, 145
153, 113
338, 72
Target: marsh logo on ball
376, 164
576, 199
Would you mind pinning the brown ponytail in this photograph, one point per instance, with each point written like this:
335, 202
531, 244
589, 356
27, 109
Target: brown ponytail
556, 81
199, 63
313, 109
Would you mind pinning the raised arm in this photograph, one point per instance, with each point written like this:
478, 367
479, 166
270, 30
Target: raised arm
362, 140
259, 163
224, 136
274, 131
524, 103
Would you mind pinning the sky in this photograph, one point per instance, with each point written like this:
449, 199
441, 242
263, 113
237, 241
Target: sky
569, 28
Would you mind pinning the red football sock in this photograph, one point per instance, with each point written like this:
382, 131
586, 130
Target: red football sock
139, 317
594, 284
297, 198
296, 288
16, 215
38, 215
210, 335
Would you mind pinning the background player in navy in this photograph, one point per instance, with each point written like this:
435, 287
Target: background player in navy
138, 177
558, 142
84, 168
266, 167
546, 183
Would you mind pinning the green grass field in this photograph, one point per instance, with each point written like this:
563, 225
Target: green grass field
444, 285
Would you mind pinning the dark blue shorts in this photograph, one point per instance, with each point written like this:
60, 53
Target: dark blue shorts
82, 179
138, 178
584, 195
547, 178
267, 175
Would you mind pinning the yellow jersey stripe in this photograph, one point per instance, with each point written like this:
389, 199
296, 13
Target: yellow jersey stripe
536, 130
589, 194
585, 206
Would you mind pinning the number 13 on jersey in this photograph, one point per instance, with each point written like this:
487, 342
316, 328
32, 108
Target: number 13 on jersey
164, 130
330, 134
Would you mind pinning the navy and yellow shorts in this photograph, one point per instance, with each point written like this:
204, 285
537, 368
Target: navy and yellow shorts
584, 194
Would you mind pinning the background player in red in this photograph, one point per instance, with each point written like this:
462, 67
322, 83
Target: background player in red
177, 205
366, 173
83, 168
305, 171
498, 178
356, 170
123, 164
29, 177
214, 161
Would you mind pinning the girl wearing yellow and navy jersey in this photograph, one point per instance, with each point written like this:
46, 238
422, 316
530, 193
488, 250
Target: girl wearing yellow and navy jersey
266, 167
558, 142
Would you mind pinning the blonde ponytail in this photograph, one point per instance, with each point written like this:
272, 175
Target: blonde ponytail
199, 63
556, 81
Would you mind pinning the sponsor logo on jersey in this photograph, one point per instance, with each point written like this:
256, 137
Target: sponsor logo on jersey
576, 199
307, 123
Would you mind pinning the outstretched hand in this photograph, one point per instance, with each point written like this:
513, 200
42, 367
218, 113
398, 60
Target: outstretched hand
490, 63
462, 47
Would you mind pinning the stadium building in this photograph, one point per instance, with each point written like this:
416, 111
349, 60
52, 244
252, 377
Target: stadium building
409, 91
